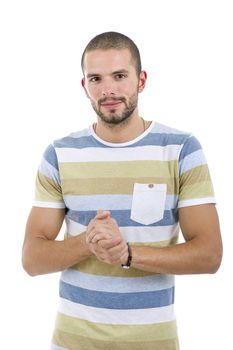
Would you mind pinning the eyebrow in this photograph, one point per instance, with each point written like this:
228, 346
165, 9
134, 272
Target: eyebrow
90, 75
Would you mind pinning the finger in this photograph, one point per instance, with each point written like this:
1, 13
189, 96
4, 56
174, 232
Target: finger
101, 214
110, 242
91, 235
96, 233
100, 236
90, 225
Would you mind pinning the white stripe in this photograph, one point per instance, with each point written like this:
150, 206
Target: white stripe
95, 154
110, 316
49, 170
74, 228
133, 234
149, 234
198, 201
191, 161
49, 204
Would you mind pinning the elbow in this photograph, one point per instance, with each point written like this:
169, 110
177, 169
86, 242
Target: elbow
28, 264
27, 268
215, 262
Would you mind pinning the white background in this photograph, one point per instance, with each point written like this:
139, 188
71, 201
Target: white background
186, 49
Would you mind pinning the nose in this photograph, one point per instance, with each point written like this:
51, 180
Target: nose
108, 89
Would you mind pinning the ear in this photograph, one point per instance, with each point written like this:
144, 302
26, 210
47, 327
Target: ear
142, 81
83, 85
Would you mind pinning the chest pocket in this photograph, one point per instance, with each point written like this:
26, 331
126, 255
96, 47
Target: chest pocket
148, 203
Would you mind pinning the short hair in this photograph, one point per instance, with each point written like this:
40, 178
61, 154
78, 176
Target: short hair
114, 40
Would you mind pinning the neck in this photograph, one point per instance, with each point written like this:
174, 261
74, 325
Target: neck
124, 132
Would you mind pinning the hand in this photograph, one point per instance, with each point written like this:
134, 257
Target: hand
104, 239
95, 231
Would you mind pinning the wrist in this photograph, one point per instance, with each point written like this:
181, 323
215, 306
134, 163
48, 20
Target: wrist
129, 258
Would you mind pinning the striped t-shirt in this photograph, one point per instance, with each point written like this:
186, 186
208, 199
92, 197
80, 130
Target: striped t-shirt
142, 183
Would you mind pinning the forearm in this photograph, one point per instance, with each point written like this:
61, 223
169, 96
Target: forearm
191, 257
42, 256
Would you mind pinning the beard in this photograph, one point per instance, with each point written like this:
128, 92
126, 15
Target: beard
112, 117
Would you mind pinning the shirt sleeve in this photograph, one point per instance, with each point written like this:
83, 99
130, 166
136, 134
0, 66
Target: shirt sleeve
48, 192
195, 186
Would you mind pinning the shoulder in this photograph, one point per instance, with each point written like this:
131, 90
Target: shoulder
170, 135
168, 130
72, 139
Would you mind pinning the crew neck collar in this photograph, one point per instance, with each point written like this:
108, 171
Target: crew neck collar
121, 144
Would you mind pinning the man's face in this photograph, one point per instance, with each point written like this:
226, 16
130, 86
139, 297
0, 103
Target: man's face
111, 83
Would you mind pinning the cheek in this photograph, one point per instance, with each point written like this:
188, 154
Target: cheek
93, 93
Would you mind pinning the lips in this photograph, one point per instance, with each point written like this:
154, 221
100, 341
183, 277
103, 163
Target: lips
111, 104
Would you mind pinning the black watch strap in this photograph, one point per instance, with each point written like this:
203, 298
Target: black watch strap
128, 264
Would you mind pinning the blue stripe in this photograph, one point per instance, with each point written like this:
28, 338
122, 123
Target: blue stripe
71, 142
119, 284
122, 217
152, 139
51, 156
109, 202
119, 301
191, 145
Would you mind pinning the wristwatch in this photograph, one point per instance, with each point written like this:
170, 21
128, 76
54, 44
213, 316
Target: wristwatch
128, 264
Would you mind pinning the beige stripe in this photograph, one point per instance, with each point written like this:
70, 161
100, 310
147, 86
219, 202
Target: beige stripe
47, 189
167, 243
78, 342
103, 332
97, 186
198, 190
94, 266
198, 174
196, 183
127, 169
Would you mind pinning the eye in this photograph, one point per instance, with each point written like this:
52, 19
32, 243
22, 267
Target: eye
94, 79
120, 76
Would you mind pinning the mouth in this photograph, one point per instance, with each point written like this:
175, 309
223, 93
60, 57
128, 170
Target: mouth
111, 104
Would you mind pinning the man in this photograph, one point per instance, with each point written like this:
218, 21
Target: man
125, 186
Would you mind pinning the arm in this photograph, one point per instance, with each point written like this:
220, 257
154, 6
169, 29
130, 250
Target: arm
41, 252
201, 253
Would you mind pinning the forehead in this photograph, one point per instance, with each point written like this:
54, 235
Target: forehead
105, 61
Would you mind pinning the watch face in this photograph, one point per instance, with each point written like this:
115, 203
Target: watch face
125, 266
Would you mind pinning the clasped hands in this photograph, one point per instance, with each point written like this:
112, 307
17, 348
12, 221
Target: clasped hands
104, 239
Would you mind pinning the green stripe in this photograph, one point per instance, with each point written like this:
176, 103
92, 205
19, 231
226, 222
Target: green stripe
78, 342
123, 333
144, 168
